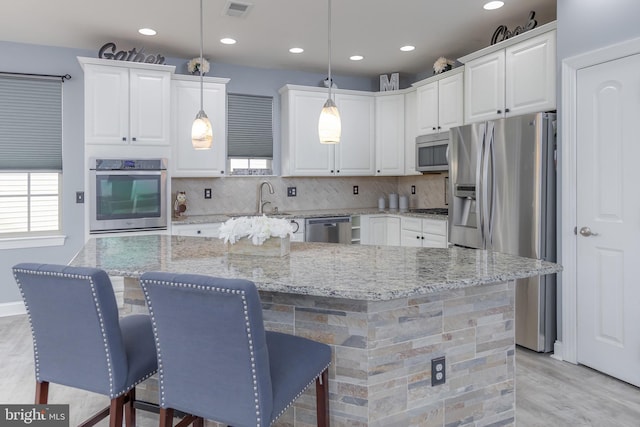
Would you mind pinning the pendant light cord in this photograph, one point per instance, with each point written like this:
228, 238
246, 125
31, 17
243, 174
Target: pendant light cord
201, 60
329, 39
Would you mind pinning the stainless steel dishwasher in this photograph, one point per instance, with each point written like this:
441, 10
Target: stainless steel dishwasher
336, 229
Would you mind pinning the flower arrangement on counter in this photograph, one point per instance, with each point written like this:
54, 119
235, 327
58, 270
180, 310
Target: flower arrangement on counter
442, 64
256, 228
193, 66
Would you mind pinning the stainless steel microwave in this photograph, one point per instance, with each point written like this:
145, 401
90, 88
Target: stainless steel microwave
432, 152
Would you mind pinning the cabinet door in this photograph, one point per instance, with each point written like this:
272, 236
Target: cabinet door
450, 102
150, 107
484, 88
354, 154
186, 161
106, 105
410, 133
531, 75
427, 108
377, 230
303, 155
390, 135
410, 238
393, 230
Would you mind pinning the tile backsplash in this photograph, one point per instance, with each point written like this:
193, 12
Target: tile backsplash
240, 194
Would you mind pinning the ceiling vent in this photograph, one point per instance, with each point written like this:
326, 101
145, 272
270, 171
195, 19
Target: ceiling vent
237, 9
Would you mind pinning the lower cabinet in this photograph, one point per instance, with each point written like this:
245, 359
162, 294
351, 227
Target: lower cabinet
198, 230
423, 232
380, 230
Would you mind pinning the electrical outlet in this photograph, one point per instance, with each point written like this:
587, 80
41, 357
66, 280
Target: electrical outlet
79, 196
207, 193
355, 189
291, 192
413, 189
438, 374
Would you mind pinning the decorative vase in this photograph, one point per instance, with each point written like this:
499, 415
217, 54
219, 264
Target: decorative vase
275, 246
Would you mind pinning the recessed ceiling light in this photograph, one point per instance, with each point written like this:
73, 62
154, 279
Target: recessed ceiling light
147, 31
407, 48
493, 5
356, 58
296, 50
227, 40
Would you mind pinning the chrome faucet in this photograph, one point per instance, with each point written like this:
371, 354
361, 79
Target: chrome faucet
261, 202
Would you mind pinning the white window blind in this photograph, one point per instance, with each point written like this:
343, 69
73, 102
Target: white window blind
249, 126
30, 156
30, 123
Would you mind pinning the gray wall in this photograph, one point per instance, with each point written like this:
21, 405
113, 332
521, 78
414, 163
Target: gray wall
584, 26
26, 58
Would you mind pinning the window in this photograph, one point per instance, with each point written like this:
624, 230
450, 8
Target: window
30, 156
250, 134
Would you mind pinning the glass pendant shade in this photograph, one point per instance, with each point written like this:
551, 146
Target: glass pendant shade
201, 132
329, 125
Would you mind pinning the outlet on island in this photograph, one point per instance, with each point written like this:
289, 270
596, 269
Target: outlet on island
355, 189
207, 193
291, 192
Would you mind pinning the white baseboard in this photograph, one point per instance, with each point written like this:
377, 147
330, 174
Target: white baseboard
12, 309
557, 351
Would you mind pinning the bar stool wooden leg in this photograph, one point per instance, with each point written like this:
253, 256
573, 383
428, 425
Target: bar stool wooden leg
42, 392
166, 417
322, 399
129, 409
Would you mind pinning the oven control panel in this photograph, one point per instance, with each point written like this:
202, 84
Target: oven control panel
129, 164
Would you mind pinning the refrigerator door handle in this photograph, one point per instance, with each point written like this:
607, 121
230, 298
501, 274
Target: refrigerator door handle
481, 184
485, 201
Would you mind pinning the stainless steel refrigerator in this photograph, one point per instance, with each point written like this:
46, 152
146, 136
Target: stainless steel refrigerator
502, 181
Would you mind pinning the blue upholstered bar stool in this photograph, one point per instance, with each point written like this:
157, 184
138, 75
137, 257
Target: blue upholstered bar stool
215, 360
78, 340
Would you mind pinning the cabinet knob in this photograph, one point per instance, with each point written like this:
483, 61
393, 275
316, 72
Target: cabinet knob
422, 237
433, 128
338, 171
124, 138
331, 170
439, 127
499, 111
199, 231
222, 172
378, 170
417, 237
506, 110
133, 139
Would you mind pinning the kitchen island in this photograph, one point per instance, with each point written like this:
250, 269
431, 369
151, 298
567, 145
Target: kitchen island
385, 311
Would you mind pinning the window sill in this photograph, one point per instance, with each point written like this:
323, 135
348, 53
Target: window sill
31, 242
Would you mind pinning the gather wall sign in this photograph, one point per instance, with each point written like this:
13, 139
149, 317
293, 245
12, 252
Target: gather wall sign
109, 51
502, 32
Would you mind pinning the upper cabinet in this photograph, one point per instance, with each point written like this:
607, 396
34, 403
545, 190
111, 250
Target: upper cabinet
302, 153
516, 79
185, 104
410, 132
440, 102
126, 103
389, 133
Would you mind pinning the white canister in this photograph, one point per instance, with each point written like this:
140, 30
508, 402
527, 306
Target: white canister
393, 201
381, 204
404, 203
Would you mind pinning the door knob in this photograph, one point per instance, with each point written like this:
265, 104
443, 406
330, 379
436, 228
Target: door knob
586, 232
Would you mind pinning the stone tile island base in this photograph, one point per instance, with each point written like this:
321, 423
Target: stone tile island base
382, 351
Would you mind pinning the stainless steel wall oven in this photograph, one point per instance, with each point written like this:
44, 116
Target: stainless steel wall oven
128, 195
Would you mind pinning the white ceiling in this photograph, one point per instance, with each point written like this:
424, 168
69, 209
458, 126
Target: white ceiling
373, 28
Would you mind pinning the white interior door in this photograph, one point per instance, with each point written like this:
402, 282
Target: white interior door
608, 205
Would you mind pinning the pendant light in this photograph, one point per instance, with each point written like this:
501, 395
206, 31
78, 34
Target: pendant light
201, 132
329, 126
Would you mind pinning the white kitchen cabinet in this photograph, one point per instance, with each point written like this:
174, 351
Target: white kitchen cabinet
440, 102
389, 134
423, 232
302, 153
185, 95
380, 230
410, 132
518, 79
211, 229
126, 104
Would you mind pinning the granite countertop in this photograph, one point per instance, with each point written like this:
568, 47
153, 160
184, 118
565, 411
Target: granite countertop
206, 219
362, 272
